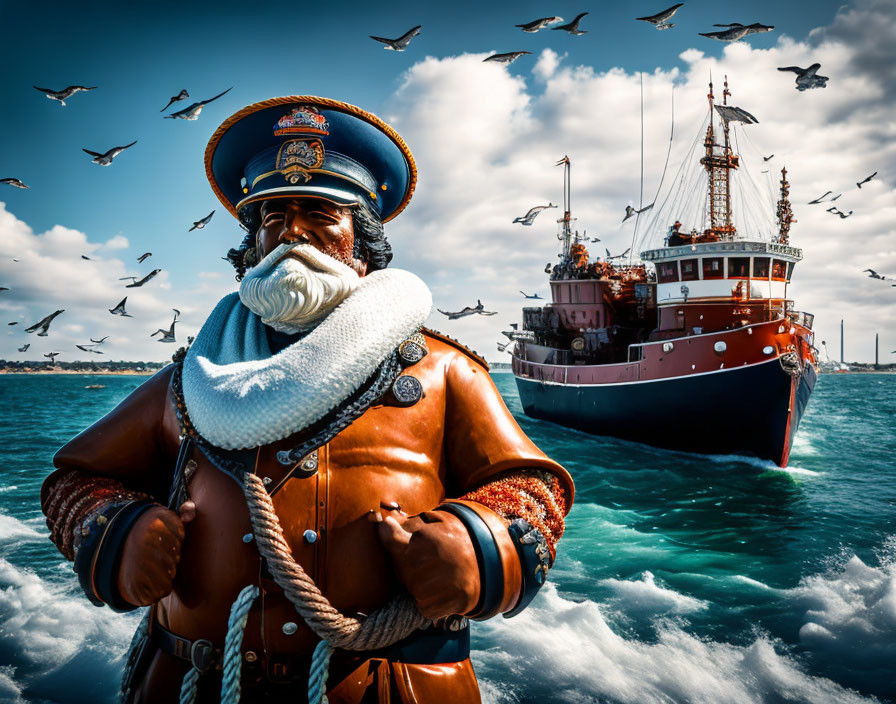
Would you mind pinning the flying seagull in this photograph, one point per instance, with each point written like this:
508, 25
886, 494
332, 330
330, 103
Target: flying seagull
767, 158
859, 184
618, 256
106, 159
119, 309
661, 19
168, 335
630, 211
85, 257
402, 42
464, 312
24, 348
143, 256
534, 295
64, 94
529, 217
192, 112
88, 348
874, 275
13, 182
136, 284
594, 239
819, 199
180, 96
843, 215
535, 25
100, 341
573, 27
52, 356
44, 324
806, 78
509, 57
4, 288
199, 224
729, 113
736, 31
14, 322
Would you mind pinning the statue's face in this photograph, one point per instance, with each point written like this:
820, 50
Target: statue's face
323, 224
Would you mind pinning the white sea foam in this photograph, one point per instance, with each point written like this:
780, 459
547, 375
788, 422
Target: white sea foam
561, 651
12, 529
56, 646
645, 597
4, 489
850, 612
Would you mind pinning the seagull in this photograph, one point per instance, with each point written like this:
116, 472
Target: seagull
534, 295
87, 348
52, 356
180, 96
14, 322
594, 239
167, 335
819, 199
199, 224
630, 211
767, 158
729, 113
843, 215
573, 27
119, 309
509, 57
859, 184
44, 324
24, 348
463, 313
618, 256
806, 78
832, 209
136, 284
62, 95
535, 25
143, 256
529, 217
402, 42
736, 31
106, 159
874, 275
192, 112
86, 258
4, 288
661, 19
13, 182
100, 341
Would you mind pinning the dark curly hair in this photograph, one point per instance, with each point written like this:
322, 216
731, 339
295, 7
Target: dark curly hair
371, 245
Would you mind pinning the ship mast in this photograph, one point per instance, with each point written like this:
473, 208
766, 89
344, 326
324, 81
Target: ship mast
785, 214
718, 166
565, 234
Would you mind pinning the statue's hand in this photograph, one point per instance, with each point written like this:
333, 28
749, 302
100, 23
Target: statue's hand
434, 559
151, 554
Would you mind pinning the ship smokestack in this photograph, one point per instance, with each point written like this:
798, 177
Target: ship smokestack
841, 341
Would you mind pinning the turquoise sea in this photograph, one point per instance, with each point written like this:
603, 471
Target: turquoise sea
681, 578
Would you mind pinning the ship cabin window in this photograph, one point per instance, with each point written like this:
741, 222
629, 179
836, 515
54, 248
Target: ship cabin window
689, 270
790, 270
738, 267
779, 270
667, 272
712, 268
760, 267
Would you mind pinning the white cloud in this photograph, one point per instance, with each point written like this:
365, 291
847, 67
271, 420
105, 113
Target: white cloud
486, 141
118, 241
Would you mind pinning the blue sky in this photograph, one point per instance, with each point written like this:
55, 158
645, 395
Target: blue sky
141, 54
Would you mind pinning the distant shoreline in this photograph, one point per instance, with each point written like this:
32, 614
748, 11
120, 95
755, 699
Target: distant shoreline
123, 372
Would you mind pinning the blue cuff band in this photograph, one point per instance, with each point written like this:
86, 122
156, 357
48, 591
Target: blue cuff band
491, 571
535, 560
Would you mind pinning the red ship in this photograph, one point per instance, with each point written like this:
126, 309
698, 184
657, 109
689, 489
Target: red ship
704, 354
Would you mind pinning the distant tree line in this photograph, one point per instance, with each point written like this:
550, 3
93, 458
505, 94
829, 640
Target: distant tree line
85, 367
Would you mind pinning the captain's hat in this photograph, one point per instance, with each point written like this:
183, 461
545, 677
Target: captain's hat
305, 145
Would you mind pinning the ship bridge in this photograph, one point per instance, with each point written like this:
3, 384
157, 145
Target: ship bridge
742, 269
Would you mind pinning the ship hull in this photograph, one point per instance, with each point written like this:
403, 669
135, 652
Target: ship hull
750, 410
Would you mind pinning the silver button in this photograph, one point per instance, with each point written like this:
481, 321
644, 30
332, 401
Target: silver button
289, 628
247, 538
310, 536
266, 480
251, 656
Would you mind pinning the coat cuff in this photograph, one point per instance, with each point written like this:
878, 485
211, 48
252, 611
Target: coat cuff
500, 574
98, 558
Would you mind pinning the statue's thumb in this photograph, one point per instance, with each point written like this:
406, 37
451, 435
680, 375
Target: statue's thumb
393, 536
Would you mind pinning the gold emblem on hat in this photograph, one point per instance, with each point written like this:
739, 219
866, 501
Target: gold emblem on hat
297, 156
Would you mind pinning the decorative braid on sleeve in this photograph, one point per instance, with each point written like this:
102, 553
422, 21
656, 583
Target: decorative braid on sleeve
73, 497
534, 495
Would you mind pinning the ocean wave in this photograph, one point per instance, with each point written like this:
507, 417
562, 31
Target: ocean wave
56, 647
645, 597
562, 651
12, 529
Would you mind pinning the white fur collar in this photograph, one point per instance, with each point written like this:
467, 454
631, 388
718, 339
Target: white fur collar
241, 396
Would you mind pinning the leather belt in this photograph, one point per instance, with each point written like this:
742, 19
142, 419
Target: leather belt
201, 653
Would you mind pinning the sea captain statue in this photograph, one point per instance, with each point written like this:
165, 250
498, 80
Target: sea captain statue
320, 493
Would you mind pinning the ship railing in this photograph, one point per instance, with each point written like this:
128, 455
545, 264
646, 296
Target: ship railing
801, 318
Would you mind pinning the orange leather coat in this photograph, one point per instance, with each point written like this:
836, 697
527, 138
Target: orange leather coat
458, 436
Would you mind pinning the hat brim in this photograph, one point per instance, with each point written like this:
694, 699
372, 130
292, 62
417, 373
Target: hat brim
334, 195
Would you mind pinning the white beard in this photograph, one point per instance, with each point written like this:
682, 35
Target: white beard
294, 294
